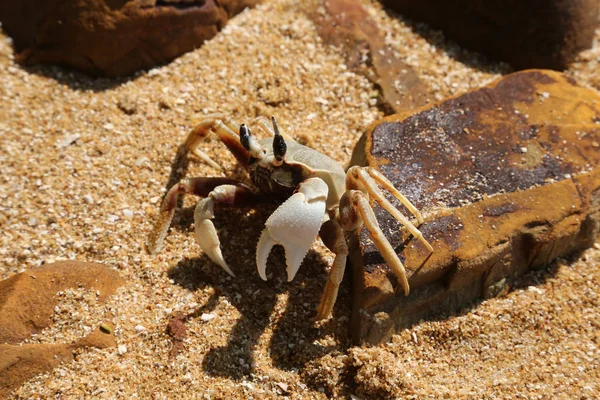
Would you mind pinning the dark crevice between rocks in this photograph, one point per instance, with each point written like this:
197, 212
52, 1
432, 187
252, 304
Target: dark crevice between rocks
180, 5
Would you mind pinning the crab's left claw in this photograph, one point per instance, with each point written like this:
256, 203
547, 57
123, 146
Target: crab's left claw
294, 225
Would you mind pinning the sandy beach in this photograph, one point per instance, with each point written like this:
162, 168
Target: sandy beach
86, 162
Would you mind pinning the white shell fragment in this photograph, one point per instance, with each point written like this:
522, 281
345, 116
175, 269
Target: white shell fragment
121, 349
207, 317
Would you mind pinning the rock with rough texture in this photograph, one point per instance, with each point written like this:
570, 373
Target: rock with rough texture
28, 299
112, 37
18, 363
27, 303
508, 179
347, 25
525, 33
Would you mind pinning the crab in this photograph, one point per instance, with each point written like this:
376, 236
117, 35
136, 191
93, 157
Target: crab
321, 199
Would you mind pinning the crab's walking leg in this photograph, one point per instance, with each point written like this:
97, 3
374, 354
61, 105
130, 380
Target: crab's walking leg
361, 179
333, 236
389, 186
206, 234
226, 132
356, 210
198, 186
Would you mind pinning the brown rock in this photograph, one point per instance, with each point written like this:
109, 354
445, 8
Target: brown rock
177, 330
27, 302
27, 299
508, 177
18, 363
347, 25
112, 37
527, 34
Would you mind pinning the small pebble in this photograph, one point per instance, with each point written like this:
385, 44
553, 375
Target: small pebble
207, 317
534, 289
141, 160
105, 328
128, 214
67, 141
122, 349
283, 386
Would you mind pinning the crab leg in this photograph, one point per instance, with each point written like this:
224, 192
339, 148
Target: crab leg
359, 178
389, 186
356, 210
332, 236
206, 234
225, 132
198, 186
265, 124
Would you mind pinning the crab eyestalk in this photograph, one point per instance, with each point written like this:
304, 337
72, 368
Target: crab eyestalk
279, 146
249, 143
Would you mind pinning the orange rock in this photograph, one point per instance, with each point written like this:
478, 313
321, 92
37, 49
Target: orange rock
27, 300
508, 179
18, 363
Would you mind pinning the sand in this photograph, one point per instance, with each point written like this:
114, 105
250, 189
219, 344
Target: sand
85, 163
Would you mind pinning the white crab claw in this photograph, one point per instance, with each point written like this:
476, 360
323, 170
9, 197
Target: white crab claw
294, 225
206, 234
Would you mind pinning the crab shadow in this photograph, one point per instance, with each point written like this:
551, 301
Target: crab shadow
282, 310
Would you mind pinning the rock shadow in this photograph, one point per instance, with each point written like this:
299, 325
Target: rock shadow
534, 277
77, 80
436, 38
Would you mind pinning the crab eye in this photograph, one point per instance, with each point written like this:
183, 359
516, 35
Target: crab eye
245, 136
279, 146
